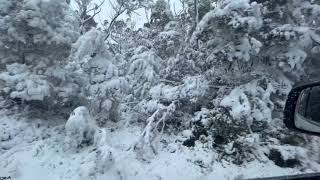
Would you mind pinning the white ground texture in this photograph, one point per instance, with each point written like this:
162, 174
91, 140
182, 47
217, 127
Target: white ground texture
35, 149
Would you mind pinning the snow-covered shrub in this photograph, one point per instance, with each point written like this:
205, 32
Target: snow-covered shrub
230, 138
244, 149
217, 124
250, 102
80, 128
190, 96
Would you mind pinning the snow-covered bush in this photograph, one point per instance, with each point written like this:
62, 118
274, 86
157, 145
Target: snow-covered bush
80, 128
250, 102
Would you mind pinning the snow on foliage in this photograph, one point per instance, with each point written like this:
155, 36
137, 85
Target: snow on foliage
88, 46
27, 86
143, 72
191, 88
35, 41
250, 101
37, 27
145, 65
234, 11
80, 128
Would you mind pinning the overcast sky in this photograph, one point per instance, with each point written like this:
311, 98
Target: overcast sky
138, 18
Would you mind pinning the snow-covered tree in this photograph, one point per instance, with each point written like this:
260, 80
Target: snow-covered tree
36, 31
35, 42
98, 75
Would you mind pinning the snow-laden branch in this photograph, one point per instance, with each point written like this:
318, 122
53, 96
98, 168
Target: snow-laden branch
150, 132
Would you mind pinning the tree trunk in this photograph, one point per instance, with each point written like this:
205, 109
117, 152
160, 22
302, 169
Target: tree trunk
196, 12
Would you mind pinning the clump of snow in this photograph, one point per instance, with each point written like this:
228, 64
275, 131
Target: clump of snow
187, 133
248, 47
202, 116
238, 102
295, 58
80, 127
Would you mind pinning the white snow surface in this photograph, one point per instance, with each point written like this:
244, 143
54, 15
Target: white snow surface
35, 151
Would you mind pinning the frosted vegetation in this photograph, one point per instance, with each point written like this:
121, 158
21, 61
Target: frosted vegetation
195, 90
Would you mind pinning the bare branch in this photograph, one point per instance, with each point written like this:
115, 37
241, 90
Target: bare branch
91, 17
119, 9
84, 11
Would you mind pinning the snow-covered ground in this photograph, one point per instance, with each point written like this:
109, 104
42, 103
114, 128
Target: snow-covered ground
34, 149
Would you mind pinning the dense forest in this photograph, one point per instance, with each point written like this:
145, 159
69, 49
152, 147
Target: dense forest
207, 83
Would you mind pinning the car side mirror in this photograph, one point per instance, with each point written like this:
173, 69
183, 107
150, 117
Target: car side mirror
302, 110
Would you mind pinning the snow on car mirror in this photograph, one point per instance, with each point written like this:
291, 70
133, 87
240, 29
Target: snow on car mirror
302, 111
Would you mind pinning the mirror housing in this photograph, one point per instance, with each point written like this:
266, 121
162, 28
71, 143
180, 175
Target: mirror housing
301, 109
